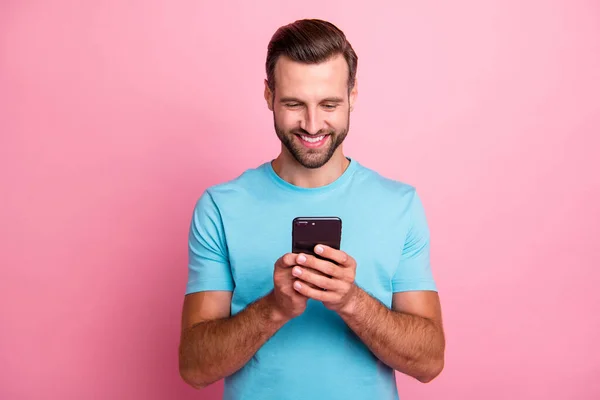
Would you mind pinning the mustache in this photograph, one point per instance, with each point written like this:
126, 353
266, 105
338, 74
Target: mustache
300, 131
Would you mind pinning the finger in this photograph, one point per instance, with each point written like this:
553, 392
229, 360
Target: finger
286, 261
335, 255
324, 266
316, 294
315, 279
293, 279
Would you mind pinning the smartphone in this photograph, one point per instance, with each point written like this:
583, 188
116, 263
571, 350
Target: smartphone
307, 232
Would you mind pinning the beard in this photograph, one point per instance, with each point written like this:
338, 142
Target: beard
312, 158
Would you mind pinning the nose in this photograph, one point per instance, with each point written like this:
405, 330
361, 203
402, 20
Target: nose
311, 122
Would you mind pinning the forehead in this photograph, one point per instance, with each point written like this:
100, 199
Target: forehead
311, 80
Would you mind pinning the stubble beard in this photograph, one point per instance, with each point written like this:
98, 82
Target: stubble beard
311, 158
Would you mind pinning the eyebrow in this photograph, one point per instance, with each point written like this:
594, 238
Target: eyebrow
327, 100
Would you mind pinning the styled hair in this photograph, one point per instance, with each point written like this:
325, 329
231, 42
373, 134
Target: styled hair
310, 41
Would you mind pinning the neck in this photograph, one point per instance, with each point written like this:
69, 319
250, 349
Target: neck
296, 174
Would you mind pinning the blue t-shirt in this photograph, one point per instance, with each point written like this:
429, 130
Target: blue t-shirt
241, 227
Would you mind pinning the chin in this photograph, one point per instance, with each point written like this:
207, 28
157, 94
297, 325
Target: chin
313, 162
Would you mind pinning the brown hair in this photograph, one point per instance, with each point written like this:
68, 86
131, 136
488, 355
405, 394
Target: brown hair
310, 41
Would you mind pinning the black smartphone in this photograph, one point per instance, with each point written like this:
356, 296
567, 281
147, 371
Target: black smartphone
307, 232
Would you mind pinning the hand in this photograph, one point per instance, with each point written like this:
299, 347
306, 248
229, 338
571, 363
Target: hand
338, 280
287, 302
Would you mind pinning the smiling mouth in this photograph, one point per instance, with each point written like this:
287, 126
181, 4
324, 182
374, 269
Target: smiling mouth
312, 139
313, 142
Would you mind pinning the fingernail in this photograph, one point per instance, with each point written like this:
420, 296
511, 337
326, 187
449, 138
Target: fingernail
297, 271
297, 285
318, 249
301, 258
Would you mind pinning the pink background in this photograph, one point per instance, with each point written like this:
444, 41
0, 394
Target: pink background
114, 118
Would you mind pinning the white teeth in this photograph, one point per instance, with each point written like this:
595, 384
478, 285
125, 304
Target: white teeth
313, 140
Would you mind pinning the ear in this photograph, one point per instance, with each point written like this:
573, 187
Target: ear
268, 96
353, 94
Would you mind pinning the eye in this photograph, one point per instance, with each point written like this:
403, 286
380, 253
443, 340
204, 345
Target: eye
292, 105
330, 106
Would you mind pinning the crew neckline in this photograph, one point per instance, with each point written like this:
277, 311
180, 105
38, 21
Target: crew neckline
341, 180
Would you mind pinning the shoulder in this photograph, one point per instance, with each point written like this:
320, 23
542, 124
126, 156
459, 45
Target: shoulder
393, 194
384, 187
238, 189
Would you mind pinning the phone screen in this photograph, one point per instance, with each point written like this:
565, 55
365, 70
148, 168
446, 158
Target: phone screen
307, 232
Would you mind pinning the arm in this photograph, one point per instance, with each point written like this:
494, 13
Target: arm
214, 345
408, 338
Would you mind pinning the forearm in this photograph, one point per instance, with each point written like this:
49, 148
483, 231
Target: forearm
407, 343
212, 350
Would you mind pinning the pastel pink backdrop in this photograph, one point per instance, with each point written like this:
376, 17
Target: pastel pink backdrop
115, 117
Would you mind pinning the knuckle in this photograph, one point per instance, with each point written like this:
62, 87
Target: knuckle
279, 263
351, 276
318, 280
287, 259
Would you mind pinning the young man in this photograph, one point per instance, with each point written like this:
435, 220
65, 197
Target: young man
257, 315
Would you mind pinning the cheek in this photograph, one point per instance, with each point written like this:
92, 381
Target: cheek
338, 120
286, 119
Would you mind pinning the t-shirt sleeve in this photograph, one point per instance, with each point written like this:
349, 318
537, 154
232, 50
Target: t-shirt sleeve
208, 263
414, 271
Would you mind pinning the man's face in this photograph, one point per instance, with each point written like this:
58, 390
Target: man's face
311, 108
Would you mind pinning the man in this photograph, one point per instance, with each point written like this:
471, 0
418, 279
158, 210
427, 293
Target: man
257, 315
